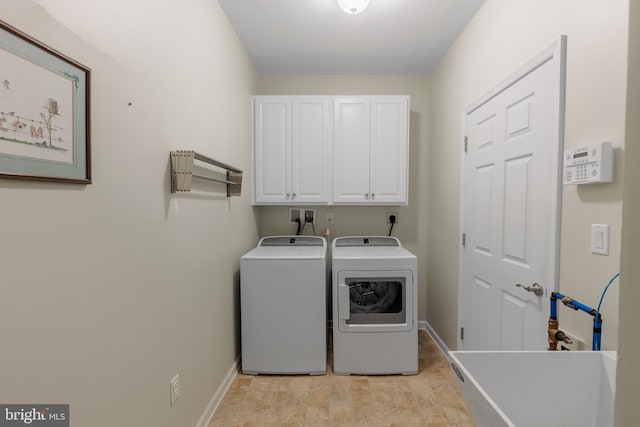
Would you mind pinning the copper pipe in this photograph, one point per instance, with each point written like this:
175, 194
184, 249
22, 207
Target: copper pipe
553, 329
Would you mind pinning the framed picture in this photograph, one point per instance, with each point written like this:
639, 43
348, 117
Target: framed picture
44, 112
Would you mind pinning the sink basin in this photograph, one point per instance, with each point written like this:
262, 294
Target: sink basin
537, 388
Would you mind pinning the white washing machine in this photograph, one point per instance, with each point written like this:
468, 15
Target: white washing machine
283, 285
375, 307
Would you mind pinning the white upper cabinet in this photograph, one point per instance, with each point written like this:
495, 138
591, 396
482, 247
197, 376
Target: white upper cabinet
371, 144
311, 150
272, 149
292, 150
352, 130
318, 150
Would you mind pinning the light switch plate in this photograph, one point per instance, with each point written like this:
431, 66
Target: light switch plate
600, 239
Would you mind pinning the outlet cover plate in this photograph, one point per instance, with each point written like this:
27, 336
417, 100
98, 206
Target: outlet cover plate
293, 214
309, 216
329, 217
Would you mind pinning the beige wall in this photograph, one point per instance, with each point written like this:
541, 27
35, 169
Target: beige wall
110, 289
628, 371
127, 285
367, 220
501, 37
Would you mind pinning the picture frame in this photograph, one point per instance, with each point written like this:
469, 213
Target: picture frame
44, 112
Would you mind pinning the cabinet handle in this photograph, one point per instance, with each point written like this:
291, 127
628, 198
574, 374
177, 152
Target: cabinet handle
288, 195
293, 196
373, 195
366, 196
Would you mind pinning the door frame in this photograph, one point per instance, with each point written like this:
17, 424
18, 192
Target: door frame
556, 54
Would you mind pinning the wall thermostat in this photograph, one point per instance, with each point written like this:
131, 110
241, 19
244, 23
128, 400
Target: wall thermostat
592, 164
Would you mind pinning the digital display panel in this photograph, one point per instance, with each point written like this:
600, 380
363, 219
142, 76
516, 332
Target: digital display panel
582, 154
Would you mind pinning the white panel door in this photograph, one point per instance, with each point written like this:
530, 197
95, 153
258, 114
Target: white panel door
510, 210
272, 149
389, 149
311, 150
352, 126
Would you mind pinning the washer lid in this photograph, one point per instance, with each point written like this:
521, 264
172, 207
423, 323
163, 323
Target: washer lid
289, 248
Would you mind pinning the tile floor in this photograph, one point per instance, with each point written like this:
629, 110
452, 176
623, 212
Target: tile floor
428, 399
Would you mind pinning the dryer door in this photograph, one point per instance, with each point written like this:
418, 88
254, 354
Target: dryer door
375, 301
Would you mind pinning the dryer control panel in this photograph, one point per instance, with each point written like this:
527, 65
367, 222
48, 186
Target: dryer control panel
366, 241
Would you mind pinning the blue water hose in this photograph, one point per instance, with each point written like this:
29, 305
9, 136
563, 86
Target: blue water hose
597, 320
576, 305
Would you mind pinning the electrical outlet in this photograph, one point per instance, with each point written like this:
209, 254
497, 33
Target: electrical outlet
310, 216
294, 214
389, 214
174, 389
329, 217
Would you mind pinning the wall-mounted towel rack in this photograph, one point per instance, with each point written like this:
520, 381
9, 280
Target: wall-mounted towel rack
182, 172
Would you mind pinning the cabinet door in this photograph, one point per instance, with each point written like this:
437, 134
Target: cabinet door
272, 149
389, 149
352, 123
311, 150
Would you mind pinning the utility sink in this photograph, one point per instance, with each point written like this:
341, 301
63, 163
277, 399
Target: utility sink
537, 388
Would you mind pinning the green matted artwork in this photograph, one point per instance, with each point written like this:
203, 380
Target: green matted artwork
44, 112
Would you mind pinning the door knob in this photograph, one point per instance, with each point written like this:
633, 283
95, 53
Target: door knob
536, 289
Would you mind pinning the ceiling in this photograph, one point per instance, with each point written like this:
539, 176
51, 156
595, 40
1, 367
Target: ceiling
407, 37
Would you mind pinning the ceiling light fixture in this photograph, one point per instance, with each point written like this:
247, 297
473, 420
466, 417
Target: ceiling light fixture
353, 7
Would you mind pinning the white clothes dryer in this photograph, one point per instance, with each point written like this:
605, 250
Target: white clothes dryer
375, 307
283, 286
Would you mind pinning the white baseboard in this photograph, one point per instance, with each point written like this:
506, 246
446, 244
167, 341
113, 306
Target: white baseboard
215, 401
423, 324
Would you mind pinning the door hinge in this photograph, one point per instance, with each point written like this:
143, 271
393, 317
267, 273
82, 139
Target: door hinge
461, 334
466, 144
464, 240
